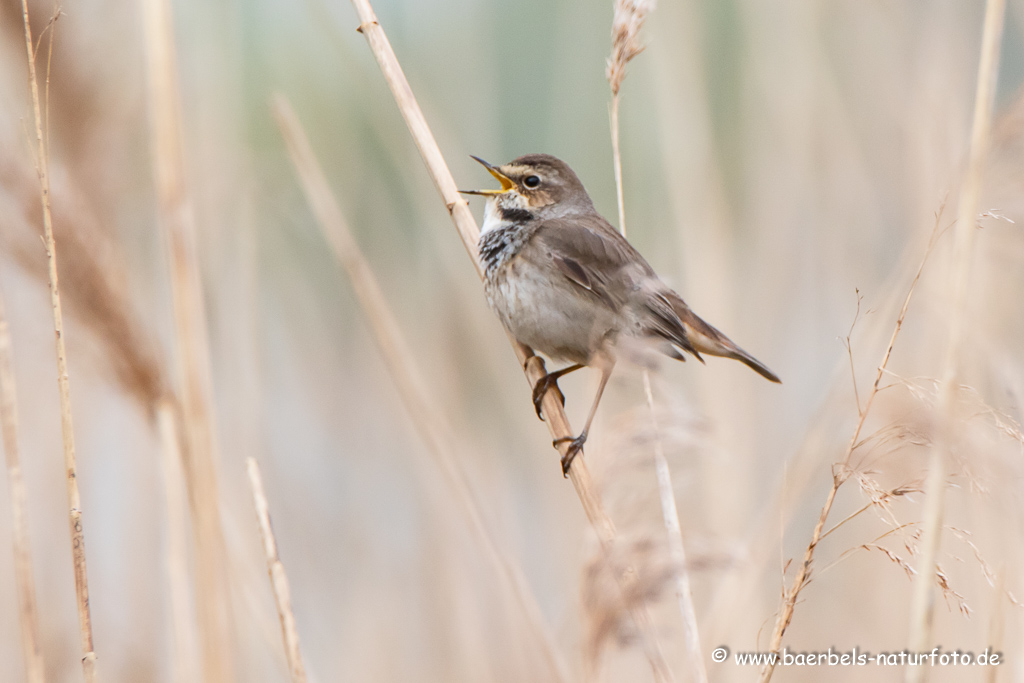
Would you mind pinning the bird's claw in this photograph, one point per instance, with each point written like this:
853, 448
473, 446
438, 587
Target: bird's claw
546, 382
575, 448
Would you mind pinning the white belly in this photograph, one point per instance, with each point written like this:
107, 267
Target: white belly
546, 314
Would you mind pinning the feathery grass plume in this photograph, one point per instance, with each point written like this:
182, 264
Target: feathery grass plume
398, 356
28, 614
66, 423
963, 250
841, 473
278, 577
177, 222
627, 19
636, 573
96, 285
533, 366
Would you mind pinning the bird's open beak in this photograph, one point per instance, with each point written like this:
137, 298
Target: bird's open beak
506, 184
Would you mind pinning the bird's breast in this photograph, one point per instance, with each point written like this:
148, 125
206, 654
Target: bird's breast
499, 243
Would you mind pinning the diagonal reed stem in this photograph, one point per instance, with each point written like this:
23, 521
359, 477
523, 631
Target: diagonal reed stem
411, 386
28, 614
533, 366
922, 600
66, 424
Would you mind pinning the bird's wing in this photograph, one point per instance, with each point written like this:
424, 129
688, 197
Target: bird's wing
590, 253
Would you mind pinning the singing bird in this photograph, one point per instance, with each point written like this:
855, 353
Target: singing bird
566, 283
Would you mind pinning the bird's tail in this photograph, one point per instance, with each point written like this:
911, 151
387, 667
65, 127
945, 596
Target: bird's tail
707, 339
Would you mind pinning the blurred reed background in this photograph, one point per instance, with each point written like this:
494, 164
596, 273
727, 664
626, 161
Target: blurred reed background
778, 159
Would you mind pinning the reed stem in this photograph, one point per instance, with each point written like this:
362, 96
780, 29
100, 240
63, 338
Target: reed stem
63, 384
278, 577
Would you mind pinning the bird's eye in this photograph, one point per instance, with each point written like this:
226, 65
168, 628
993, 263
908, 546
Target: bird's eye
532, 181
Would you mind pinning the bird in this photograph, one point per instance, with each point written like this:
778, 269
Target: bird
566, 283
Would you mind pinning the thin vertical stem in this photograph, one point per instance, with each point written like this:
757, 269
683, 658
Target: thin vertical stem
66, 424
677, 551
617, 162
669, 510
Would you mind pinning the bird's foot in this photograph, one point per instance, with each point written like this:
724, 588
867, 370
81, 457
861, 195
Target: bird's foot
548, 381
575, 448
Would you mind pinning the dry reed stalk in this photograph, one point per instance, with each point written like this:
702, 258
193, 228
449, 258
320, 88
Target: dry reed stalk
533, 365
185, 668
28, 615
278, 577
399, 359
677, 550
194, 373
963, 249
627, 20
841, 473
66, 424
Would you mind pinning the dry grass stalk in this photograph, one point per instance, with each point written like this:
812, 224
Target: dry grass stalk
185, 667
627, 20
199, 445
67, 426
922, 600
28, 615
841, 472
411, 386
558, 423
677, 550
278, 578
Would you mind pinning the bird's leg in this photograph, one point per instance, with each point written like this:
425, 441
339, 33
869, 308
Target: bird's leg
576, 444
547, 382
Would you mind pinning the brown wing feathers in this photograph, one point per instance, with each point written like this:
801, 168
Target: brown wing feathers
592, 254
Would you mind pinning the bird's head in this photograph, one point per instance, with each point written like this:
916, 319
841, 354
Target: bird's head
539, 184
